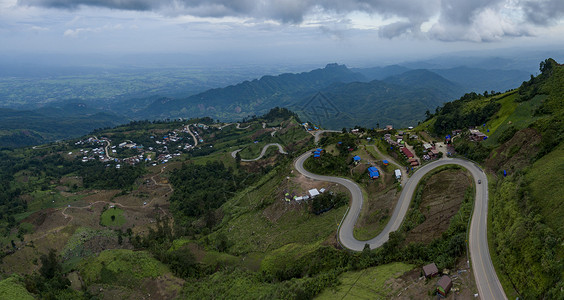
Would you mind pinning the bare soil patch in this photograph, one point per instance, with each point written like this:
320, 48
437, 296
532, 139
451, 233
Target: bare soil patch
297, 185
413, 285
515, 153
441, 199
375, 213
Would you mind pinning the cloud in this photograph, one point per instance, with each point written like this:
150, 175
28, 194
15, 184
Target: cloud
543, 12
139, 5
79, 31
397, 29
451, 20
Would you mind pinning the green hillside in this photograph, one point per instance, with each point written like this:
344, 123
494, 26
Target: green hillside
525, 140
396, 101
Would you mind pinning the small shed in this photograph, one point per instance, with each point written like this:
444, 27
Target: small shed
313, 192
385, 162
316, 156
398, 175
356, 158
444, 285
430, 270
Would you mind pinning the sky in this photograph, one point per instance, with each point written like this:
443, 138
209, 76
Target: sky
279, 30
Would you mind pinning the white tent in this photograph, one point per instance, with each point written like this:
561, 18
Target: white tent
313, 192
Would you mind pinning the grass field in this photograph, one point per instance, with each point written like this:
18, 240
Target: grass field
11, 288
112, 217
520, 115
121, 267
371, 283
547, 183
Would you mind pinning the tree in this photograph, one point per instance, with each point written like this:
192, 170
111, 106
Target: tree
547, 65
113, 218
238, 159
50, 265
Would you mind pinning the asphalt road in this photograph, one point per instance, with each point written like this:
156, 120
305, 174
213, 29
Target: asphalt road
317, 134
487, 281
262, 153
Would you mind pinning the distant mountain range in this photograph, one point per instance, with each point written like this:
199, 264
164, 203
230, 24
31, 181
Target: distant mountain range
20, 128
336, 96
333, 97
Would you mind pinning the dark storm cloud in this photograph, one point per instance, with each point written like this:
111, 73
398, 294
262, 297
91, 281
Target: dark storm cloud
139, 5
288, 11
476, 20
397, 29
543, 12
462, 12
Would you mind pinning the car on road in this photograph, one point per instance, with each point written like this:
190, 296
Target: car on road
479, 181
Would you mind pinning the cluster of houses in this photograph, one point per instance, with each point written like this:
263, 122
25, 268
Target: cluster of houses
96, 153
93, 154
410, 156
445, 282
309, 127
317, 153
299, 199
430, 151
145, 154
476, 135
396, 140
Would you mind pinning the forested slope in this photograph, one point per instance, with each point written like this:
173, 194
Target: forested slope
525, 140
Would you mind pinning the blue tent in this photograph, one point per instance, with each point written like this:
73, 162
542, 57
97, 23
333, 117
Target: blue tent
316, 152
385, 162
373, 172
317, 155
356, 158
319, 149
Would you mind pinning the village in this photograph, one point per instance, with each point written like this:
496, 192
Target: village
157, 150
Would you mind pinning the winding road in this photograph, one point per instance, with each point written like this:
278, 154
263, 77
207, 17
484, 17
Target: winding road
262, 153
317, 134
487, 281
192, 134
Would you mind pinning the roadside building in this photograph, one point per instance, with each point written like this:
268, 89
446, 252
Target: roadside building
385, 162
313, 192
389, 127
398, 174
431, 269
407, 153
476, 135
444, 285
